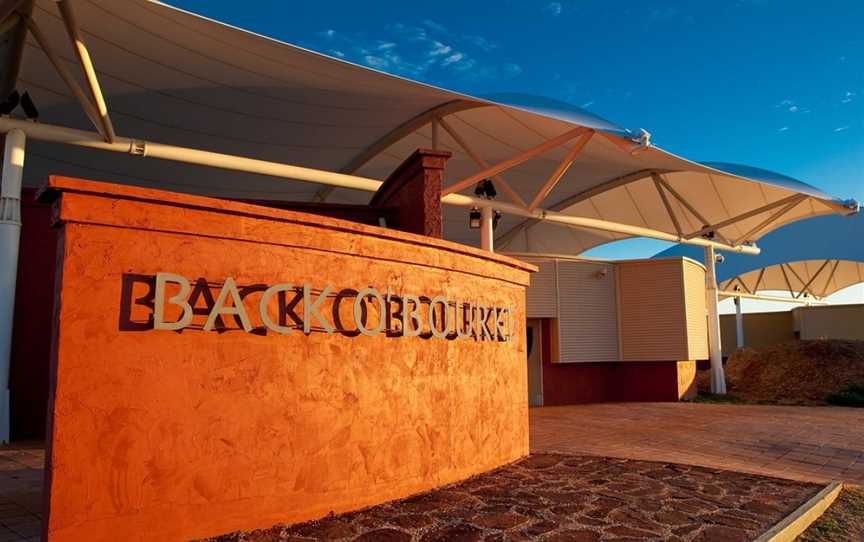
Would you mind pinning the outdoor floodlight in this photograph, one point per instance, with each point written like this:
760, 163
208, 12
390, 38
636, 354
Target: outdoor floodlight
485, 189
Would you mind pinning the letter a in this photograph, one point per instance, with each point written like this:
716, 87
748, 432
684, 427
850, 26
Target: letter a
180, 300
229, 288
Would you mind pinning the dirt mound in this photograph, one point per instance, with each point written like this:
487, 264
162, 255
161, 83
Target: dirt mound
797, 372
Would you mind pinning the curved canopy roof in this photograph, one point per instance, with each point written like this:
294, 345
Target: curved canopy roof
174, 77
817, 256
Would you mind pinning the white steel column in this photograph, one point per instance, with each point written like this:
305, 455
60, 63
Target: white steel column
487, 241
739, 323
10, 235
718, 377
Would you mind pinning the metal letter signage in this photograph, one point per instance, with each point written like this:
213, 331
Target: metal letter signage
405, 315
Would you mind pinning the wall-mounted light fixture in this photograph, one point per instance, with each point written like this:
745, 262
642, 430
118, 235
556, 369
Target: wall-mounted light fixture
474, 218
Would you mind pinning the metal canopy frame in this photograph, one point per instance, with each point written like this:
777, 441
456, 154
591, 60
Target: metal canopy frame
805, 294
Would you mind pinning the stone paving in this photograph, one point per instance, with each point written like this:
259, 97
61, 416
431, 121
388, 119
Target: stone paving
21, 492
565, 498
815, 444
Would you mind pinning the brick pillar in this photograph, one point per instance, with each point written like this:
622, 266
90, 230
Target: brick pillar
414, 191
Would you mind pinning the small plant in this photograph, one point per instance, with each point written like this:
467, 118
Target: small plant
852, 396
717, 398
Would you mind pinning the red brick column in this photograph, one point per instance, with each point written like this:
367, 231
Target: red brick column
414, 190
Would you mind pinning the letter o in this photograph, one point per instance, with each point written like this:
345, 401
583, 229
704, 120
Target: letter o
439, 300
358, 311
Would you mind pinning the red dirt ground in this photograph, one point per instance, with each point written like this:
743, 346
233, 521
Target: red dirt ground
797, 372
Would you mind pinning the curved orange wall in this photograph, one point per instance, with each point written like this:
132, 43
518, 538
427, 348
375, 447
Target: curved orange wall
165, 435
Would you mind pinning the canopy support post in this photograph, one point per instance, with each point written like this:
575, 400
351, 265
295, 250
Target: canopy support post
658, 178
514, 160
10, 239
718, 377
64, 74
87, 67
830, 277
487, 241
505, 186
739, 323
559, 172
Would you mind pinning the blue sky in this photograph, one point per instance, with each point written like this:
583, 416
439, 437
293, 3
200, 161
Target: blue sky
771, 83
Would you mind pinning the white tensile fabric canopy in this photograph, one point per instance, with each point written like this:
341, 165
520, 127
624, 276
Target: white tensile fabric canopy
173, 77
803, 279
809, 259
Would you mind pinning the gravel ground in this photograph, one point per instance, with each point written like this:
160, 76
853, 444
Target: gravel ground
566, 498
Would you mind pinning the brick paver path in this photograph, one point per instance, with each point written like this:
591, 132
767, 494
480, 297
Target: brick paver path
817, 444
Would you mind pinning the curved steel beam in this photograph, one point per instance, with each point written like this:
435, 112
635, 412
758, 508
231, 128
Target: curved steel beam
407, 128
397, 134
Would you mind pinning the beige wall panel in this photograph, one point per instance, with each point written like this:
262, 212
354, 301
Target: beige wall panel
695, 310
760, 329
653, 315
587, 313
831, 322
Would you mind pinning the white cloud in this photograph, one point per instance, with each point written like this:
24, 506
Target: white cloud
455, 57
553, 9
512, 69
587, 104
783, 129
411, 50
847, 97
841, 129
793, 109
439, 49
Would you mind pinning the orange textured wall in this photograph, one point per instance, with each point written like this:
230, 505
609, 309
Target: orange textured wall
165, 435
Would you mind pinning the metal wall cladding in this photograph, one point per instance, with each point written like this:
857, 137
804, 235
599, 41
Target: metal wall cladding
654, 314
588, 313
696, 310
542, 295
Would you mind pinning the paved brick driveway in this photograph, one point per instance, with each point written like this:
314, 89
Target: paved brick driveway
816, 444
